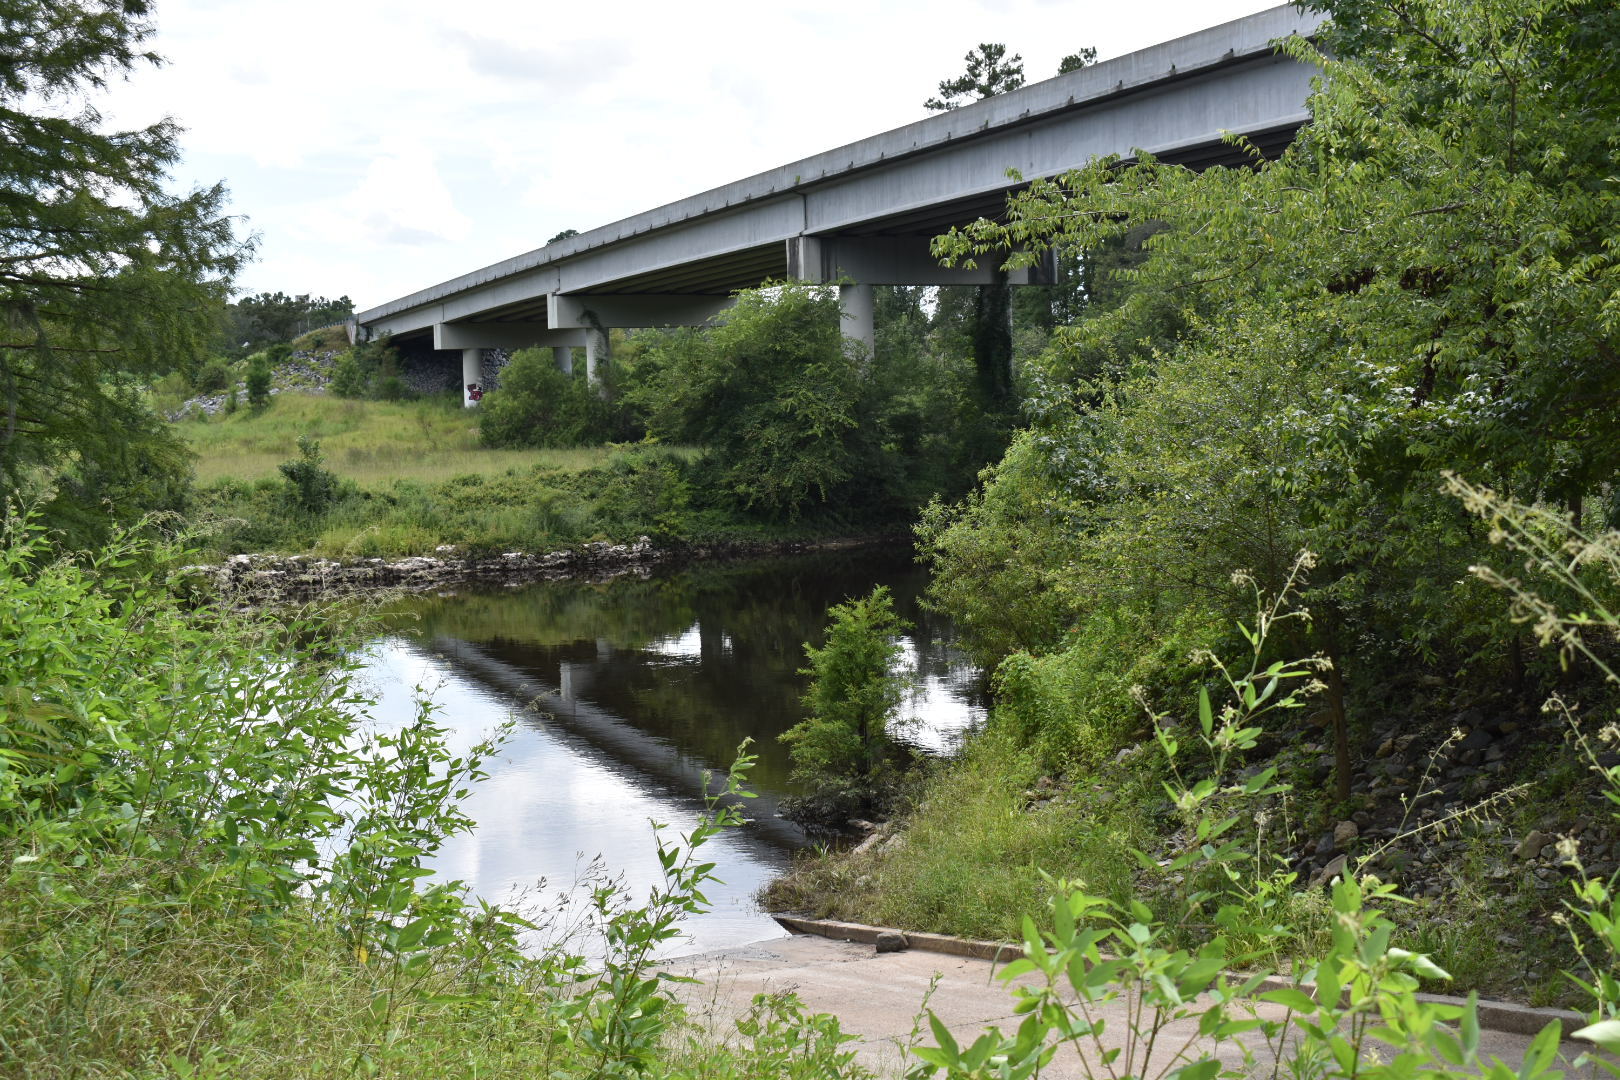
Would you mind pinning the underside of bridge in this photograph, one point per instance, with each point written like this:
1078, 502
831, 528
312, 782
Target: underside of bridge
865, 214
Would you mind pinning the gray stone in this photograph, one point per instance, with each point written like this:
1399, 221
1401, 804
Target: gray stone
1344, 834
1531, 845
1334, 869
891, 941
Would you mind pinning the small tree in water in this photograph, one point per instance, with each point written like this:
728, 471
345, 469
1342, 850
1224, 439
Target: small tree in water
842, 752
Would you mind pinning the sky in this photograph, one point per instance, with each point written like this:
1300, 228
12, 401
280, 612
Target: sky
376, 147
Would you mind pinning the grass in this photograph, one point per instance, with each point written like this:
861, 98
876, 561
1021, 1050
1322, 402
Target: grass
977, 853
126, 992
412, 477
372, 443
971, 858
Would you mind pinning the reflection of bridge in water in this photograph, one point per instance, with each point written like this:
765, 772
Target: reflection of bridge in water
559, 709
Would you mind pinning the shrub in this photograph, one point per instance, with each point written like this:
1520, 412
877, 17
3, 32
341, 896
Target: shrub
369, 370
212, 377
842, 751
539, 405
1075, 707
258, 383
348, 381
310, 487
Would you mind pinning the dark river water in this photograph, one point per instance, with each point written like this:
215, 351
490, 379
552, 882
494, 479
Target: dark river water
623, 693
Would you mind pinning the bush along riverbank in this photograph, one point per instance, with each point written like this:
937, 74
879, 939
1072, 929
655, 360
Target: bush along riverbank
1479, 819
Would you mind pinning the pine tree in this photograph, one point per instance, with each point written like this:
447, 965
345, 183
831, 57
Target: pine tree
990, 71
106, 278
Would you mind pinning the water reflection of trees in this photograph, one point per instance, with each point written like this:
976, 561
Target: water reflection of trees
612, 643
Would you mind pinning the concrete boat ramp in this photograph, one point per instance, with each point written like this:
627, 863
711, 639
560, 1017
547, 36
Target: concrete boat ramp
878, 997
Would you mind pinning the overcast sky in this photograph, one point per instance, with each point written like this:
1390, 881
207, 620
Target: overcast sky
380, 146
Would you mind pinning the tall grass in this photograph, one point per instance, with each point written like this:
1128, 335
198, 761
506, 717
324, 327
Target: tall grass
372, 443
411, 476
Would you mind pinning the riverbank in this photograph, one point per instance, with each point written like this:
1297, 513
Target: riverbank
1486, 818
270, 576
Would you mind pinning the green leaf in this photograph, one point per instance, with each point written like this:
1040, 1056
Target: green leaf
1289, 998
1468, 1024
1198, 1070
1544, 1047
1606, 1033
942, 1035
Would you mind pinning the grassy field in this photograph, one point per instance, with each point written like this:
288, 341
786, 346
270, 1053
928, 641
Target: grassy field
412, 476
372, 443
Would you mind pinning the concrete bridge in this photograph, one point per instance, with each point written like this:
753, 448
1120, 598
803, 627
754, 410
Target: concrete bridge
865, 213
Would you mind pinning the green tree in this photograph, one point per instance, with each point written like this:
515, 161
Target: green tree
311, 487
778, 397
1425, 279
106, 279
258, 383
262, 319
842, 751
990, 71
1077, 60
536, 404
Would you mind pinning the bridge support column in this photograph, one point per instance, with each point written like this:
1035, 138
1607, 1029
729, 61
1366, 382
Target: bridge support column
564, 356
596, 355
855, 302
472, 374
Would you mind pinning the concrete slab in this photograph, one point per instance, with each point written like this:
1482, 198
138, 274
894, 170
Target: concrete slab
879, 999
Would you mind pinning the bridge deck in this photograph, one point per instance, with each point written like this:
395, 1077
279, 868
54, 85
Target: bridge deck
870, 207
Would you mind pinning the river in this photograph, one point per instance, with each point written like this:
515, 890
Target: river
623, 693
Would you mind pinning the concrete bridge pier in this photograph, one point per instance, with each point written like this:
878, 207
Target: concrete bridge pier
859, 322
597, 355
472, 374
564, 357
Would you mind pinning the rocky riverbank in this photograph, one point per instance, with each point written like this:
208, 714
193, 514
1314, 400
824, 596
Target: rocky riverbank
295, 577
